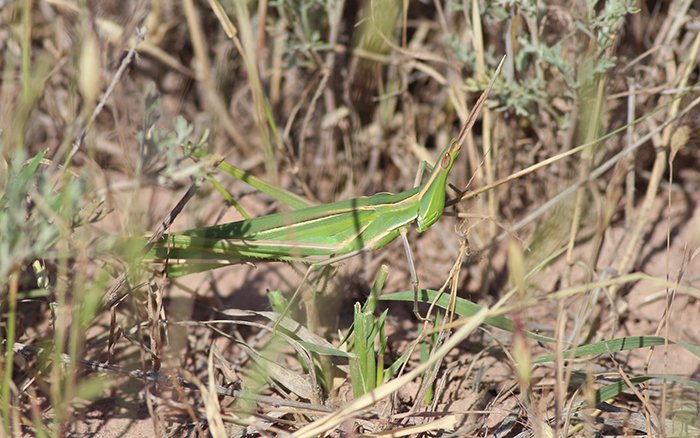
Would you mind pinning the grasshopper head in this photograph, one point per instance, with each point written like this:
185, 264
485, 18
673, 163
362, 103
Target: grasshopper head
432, 193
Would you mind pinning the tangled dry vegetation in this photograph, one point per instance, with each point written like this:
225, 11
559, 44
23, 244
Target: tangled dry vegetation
578, 236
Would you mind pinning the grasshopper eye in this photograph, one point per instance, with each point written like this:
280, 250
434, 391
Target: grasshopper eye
446, 160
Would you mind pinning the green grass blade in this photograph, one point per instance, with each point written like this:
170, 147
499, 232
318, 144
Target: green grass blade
617, 388
394, 367
463, 308
371, 303
362, 349
619, 344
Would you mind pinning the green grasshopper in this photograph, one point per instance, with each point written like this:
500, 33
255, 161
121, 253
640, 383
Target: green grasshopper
321, 235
